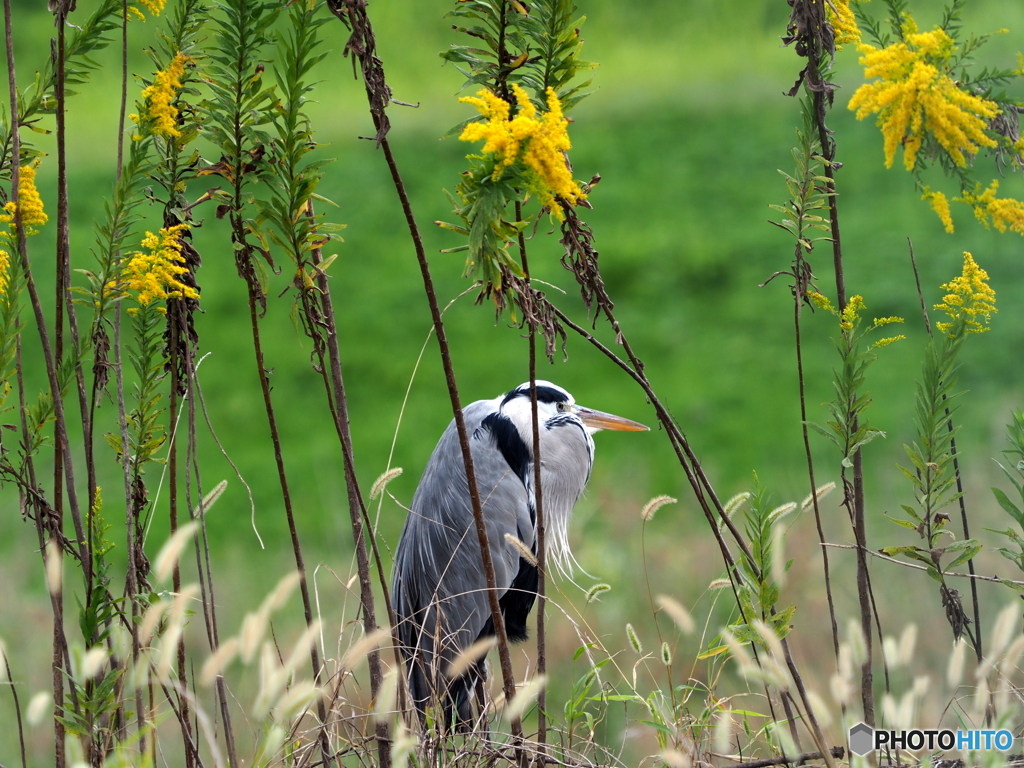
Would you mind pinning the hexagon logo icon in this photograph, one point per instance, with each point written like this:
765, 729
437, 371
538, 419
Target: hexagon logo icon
862, 739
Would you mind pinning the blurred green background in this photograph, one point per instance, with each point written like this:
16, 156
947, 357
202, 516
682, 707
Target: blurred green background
687, 126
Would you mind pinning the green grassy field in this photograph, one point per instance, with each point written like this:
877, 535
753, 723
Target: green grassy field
687, 127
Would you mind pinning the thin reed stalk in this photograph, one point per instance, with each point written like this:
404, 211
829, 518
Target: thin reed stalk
363, 46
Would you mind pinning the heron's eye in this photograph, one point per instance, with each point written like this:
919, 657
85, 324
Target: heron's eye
561, 406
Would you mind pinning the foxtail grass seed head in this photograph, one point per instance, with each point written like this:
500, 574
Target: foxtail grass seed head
908, 641
215, 663
364, 646
384, 706
781, 511
679, 614
596, 591
151, 620
891, 652
300, 697
278, 597
300, 651
820, 707
955, 669
470, 655
855, 639
738, 650
253, 626
39, 707
921, 685
981, 700
522, 549
720, 584
92, 663
723, 731
3, 662
170, 552
1008, 664
778, 563
382, 482
675, 759
211, 498
652, 506
1004, 628
405, 744
54, 568
634, 639
273, 741
525, 697
735, 503
840, 689
666, 654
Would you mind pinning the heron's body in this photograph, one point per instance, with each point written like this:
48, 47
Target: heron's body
439, 588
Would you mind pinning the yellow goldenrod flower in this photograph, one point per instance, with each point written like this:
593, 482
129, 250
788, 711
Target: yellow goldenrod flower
1005, 213
851, 313
32, 214
939, 204
154, 275
5, 265
843, 22
887, 341
821, 301
537, 143
160, 115
915, 95
970, 299
155, 7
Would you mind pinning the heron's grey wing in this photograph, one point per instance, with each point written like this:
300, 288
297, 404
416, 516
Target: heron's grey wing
438, 569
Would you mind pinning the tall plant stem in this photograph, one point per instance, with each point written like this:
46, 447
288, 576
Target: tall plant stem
498, 620
798, 297
978, 645
282, 476
828, 150
362, 44
361, 526
56, 594
172, 498
538, 503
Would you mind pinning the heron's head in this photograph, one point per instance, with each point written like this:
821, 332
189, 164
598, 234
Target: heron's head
556, 407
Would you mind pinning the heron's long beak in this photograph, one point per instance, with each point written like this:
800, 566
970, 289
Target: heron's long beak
600, 420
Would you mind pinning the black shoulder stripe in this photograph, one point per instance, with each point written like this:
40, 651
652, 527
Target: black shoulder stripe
509, 442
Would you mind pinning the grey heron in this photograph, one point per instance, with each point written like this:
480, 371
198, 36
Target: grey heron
439, 588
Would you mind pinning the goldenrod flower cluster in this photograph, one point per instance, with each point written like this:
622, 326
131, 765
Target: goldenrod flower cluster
5, 266
851, 314
970, 299
155, 7
32, 214
940, 204
537, 143
843, 22
916, 96
154, 275
161, 115
1005, 213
